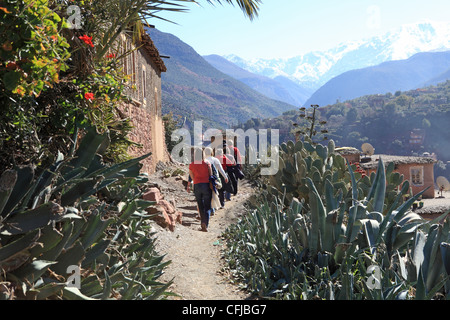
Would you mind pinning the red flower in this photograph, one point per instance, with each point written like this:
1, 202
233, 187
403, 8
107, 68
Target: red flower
111, 55
87, 40
12, 66
89, 96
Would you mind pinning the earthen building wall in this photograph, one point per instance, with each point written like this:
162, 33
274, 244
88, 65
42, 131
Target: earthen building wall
428, 177
145, 109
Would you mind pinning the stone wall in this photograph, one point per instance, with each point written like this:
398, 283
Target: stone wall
144, 134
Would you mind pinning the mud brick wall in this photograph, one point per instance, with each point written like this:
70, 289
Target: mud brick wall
428, 178
143, 126
145, 110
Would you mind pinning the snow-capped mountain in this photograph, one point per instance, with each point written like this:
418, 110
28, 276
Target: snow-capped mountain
316, 68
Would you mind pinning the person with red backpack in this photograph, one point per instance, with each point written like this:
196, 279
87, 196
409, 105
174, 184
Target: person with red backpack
200, 172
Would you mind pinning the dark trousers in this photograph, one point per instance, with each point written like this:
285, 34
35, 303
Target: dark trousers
234, 180
203, 195
222, 192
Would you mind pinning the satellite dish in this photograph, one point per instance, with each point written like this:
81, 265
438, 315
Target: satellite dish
443, 185
368, 149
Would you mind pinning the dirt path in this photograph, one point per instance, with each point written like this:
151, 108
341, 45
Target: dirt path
196, 256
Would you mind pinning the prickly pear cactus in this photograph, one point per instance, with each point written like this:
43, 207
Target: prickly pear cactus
302, 160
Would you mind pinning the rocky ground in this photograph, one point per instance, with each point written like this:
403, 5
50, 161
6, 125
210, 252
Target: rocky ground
197, 267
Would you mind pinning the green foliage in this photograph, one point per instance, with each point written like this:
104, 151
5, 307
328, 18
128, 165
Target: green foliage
328, 170
321, 249
312, 127
79, 212
33, 49
33, 54
63, 84
397, 114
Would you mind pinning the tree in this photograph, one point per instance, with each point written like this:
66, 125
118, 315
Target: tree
426, 124
354, 138
403, 100
352, 115
249, 124
312, 127
390, 108
397, 145
171, 123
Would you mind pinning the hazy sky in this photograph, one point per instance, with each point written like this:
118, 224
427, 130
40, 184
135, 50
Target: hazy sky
286, 28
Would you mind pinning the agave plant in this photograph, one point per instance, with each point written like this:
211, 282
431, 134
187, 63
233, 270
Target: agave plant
79, 212
321, 248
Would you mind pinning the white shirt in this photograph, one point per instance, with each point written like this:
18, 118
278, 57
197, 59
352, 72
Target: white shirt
218, 166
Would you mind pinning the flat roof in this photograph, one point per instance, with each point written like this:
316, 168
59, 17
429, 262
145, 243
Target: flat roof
373, 163
347, 150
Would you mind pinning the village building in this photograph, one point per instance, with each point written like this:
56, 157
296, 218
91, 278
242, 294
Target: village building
417, 138
419, 171
144, 66
351, 154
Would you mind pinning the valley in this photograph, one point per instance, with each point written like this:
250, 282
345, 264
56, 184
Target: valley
194, 90
396, 81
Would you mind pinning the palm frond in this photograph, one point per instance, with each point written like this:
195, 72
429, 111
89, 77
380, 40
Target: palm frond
126, 15
249, 7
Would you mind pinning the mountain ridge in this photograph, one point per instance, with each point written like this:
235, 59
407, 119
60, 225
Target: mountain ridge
315, 68
384, 120
277, 88
195, 90
391, 76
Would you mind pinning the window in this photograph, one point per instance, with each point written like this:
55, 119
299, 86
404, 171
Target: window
417, 176
133, 65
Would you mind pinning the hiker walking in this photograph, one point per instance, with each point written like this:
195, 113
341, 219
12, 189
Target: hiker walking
236, 169
221, 175
200, 172
226, 163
